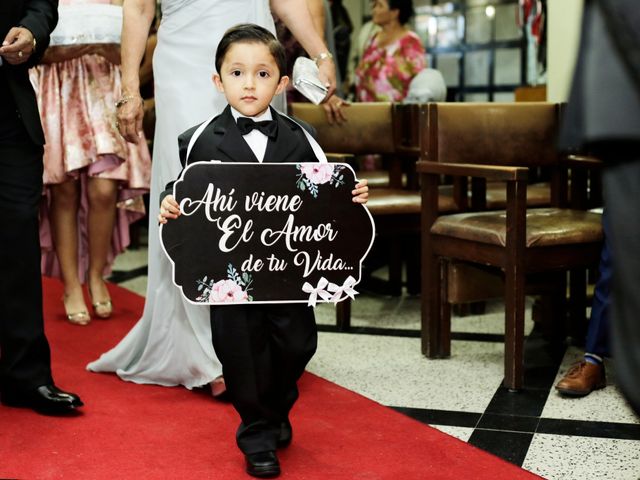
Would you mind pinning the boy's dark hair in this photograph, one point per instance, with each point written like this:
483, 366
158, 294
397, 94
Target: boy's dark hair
405, 7
251, 33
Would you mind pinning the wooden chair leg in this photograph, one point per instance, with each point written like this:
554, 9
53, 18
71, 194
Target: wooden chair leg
413, 264
343, 315
444, 347
514, 330
395, 266
431, 307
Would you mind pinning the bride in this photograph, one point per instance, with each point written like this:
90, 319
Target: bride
171, 344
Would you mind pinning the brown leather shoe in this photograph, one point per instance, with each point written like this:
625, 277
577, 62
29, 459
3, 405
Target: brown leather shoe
582, 379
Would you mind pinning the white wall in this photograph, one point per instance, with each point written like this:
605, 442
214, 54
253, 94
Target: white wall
563, 35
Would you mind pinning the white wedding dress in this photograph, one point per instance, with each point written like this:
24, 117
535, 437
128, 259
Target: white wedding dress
171, 343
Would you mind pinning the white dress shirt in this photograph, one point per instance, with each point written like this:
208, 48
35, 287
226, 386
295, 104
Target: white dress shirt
255, 138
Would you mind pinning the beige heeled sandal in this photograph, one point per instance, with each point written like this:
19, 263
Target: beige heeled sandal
77, 318
102, 309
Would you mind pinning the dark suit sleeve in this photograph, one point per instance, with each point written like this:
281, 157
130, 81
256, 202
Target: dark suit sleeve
622, 17
40, 19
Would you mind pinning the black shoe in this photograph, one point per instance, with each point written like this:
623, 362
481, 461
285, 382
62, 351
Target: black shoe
262, 464
47, 399
286, 434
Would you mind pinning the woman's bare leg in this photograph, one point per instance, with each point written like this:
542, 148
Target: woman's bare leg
102, 215
65, 200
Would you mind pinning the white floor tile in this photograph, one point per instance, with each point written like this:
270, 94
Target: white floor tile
559, 457
130, 259
606, 405
392, 371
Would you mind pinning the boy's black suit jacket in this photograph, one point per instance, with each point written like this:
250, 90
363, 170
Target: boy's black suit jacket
40, 18
221, 140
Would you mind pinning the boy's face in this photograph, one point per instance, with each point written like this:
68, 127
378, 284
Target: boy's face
249, 78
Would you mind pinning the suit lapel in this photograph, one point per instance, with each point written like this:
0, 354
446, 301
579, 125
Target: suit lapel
280, 149
232, 144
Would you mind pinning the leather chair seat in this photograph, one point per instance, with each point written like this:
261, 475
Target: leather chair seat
391, 201
545, 227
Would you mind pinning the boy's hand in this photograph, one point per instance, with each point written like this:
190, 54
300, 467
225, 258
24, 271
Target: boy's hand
361, 192
169, 208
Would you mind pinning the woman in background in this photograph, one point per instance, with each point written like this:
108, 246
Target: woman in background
393, 56
93, 178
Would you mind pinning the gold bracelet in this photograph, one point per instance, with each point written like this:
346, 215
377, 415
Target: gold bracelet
322, 56
126, 99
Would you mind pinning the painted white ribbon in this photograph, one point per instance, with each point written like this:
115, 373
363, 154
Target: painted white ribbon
314, 292
346, 288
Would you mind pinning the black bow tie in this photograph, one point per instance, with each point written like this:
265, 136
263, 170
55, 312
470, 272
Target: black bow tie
268, 127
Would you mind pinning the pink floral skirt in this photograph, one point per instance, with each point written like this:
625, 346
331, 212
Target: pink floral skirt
76, 100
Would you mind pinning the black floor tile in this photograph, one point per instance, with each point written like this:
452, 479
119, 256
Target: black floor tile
441, 417
516, 423
119, 276
384, 332
622, 431
510, 446
412, 333
527, 402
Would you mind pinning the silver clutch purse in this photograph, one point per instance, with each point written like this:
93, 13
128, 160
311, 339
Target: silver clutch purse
306, 81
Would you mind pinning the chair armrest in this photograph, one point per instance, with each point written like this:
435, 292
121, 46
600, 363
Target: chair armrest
340, 158
582, 161
490, 172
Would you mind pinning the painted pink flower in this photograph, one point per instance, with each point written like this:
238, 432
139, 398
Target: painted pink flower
317, 173
227, 291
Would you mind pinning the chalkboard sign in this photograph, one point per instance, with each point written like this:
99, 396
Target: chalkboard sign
267, 233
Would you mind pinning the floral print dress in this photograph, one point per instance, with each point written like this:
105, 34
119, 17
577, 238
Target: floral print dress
384, 73
77, 99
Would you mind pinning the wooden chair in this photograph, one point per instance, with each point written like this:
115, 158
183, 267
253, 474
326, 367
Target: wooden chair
391, 131
498, 142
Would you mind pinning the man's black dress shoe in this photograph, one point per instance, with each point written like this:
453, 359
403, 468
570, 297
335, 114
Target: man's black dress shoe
47, 399
262, 464
286, 434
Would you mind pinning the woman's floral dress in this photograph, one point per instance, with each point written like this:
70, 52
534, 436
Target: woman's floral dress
384, 73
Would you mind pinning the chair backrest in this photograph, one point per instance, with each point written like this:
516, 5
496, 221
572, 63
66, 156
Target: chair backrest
369, 128
522, 134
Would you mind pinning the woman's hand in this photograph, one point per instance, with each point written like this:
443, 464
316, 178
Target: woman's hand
333, 108
361, 192
169, 208
130, 112
327, 75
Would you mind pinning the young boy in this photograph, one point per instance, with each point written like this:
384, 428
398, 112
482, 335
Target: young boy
263, 348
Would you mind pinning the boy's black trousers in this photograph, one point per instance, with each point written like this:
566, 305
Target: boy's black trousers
264, 350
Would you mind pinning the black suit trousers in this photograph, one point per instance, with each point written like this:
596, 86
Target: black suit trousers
622, 200
264, 350
24, 350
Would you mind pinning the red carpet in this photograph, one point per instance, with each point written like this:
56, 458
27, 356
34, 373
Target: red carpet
131, 431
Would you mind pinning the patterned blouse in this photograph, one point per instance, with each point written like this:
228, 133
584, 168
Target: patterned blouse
384, 73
